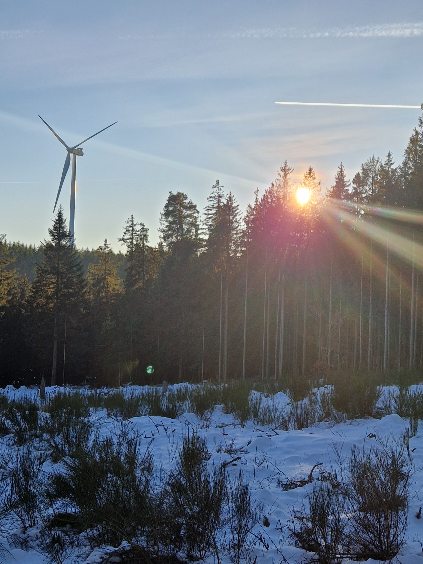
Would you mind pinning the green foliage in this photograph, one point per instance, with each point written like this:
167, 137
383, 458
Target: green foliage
190, 508
378, 499
26, 486
108, 484
21, 418
355, 395
320, 528
243, 516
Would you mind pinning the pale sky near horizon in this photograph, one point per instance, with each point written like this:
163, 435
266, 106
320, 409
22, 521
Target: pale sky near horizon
193, 85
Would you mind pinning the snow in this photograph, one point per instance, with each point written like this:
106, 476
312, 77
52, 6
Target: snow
267, 457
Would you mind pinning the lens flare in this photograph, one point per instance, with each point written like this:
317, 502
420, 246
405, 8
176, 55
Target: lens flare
303, 195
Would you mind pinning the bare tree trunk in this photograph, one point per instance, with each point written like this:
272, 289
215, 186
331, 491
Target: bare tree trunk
400, 323
386, 327
220, 327
304, 329
267, 332
277, 325
360, 342
244, 347
64, 354
416, 317
225, 334
202, 355
54, 362
330, 316
282, 328
412, 313
339, 334
264, 326
369, 343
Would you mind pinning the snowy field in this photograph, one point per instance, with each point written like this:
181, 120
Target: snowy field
268, 457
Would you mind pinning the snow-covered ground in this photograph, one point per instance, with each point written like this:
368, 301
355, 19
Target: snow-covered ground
267, 458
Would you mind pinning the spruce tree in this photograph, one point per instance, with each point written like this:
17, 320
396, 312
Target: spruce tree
339, 190
59, 286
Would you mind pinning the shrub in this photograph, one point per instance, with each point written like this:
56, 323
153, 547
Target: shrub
203, 399
320, 529
236, 400
21, 419
189, 510
355, 395
120, 405
108, 485
74, 403
26, 486
243, 516
378, 499
66, 434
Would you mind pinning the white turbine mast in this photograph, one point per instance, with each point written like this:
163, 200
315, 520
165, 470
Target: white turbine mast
75, 151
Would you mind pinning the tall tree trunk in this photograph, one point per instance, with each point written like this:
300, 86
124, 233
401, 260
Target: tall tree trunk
330, 316
338, 346
360, 329
244, 347
225, 333
304, 329
277, 325
370, 335
263, 352
220, 327
202, 355
282, 329
400, 323
64, 353
386, 317
412, 312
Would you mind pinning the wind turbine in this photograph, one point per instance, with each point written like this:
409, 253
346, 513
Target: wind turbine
75, 151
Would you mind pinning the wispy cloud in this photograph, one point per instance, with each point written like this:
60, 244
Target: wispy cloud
17, 33
384, 31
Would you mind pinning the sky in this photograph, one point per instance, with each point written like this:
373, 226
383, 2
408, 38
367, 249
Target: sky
192, 85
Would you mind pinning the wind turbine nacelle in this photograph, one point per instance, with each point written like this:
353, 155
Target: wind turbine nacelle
78, 152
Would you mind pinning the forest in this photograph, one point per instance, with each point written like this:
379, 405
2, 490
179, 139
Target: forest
283, 292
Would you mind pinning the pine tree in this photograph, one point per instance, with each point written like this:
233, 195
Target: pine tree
340, 190
104, 284
179, 223
135, 238
59, 285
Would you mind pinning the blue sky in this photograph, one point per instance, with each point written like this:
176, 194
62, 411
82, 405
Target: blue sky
192, 85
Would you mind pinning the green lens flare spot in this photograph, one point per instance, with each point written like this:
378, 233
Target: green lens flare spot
150, 369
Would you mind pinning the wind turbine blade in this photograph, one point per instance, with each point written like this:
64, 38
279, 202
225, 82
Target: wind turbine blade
54, 133
64, 173
91, 136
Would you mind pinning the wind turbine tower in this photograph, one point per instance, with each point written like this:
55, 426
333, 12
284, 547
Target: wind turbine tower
75, 151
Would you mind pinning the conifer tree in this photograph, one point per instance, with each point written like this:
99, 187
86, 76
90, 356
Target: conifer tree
59, 286
339, 190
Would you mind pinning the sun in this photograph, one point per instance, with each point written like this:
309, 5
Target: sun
303, 195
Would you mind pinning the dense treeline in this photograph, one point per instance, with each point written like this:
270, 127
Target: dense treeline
285, 292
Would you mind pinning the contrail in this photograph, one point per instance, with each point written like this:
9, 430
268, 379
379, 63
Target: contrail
337, 105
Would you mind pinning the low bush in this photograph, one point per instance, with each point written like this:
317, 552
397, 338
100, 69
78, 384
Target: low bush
321, 527
25, 486
21, 419
122, 405
74, 403
189, 509
374, 497
378, 499
243, 517
108, 486
355, 395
